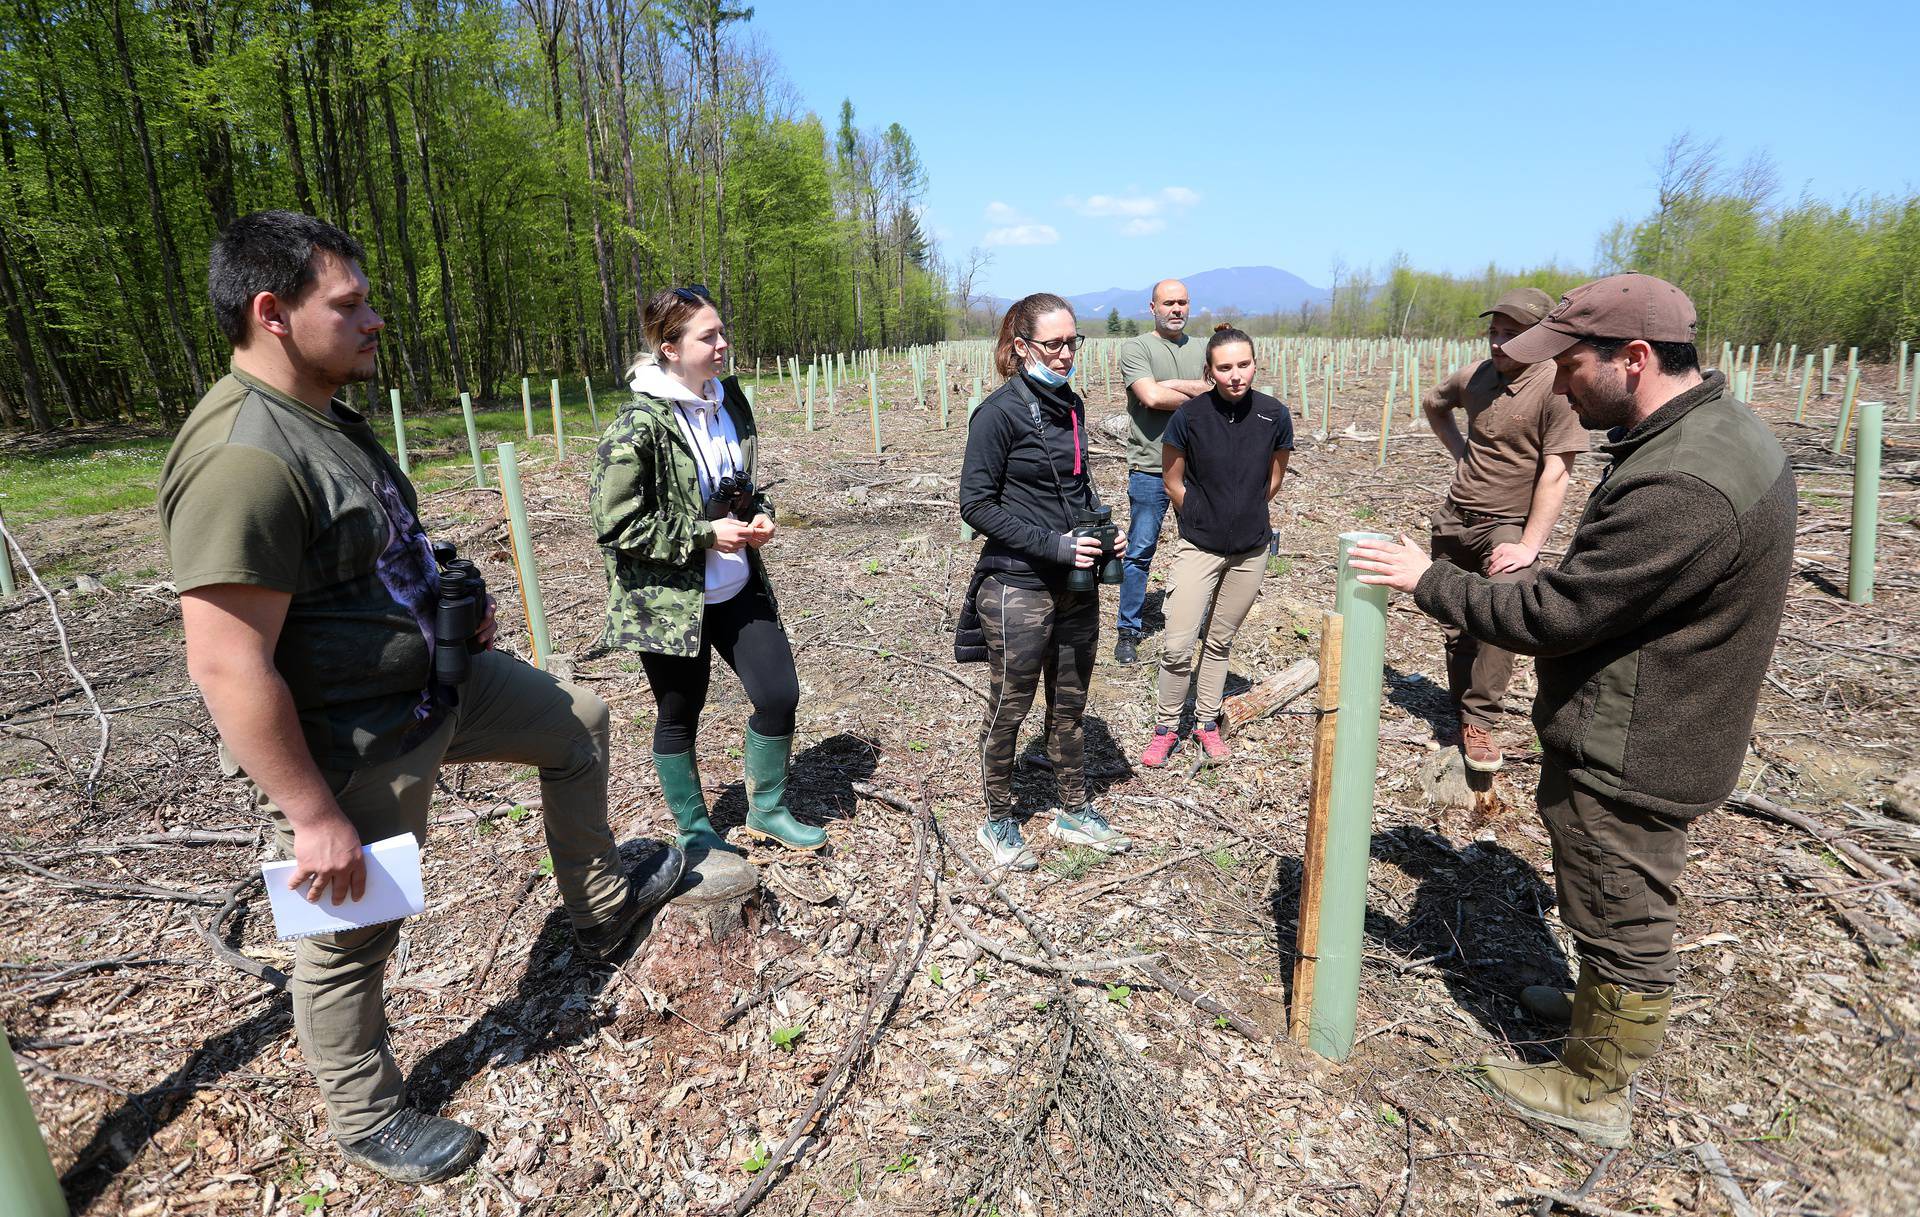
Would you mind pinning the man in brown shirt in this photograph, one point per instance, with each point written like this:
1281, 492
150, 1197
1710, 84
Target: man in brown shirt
1509, 481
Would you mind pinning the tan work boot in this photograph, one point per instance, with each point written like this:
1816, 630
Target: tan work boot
1478, 746
1548, 1003
1614, 1032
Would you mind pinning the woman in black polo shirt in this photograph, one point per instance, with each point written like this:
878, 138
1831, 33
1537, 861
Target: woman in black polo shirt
1223, 456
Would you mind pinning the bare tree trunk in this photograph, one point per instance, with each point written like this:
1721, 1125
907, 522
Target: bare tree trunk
23, 352
602, 261
435, 214
290, 131
636, 249
169, 253
413, 343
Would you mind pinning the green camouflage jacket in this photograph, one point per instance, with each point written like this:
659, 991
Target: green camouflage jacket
649, 519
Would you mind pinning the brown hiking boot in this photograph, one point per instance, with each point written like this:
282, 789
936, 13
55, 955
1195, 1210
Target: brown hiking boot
1615, 1031
1476, 742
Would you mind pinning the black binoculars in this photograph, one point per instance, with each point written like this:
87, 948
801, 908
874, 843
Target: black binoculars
1106, 567
457, 616
732, 496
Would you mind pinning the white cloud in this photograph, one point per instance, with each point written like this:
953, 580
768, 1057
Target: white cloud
1001, 213
1133, 205
1143, 226
1023, 234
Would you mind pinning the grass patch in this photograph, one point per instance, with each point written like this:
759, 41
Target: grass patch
1074, 861
82, 480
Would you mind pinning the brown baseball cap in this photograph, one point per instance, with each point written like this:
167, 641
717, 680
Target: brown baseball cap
1619, 306
1527, 305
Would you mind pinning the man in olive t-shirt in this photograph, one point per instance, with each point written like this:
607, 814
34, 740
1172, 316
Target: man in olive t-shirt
1161, 370
308, 593
1509, 481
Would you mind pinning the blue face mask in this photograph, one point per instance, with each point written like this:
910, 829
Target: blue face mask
1045, 375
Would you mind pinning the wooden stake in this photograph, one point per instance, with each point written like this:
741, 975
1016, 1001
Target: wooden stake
1313, 858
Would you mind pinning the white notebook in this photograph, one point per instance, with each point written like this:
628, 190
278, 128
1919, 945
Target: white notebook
393, 891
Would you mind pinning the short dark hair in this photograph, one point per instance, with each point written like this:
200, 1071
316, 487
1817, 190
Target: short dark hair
268, 251
1676, 358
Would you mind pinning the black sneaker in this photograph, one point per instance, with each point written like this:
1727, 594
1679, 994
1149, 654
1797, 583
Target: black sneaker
1126, 649
414, 1147
649, 885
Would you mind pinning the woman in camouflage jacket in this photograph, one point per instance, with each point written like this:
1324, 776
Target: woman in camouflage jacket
681, 521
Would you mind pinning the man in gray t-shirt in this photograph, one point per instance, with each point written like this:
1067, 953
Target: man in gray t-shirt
1161, 370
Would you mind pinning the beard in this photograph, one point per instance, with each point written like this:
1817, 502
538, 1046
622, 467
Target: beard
1604, 404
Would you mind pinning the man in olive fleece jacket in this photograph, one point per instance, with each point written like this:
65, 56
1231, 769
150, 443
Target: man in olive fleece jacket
1652, 638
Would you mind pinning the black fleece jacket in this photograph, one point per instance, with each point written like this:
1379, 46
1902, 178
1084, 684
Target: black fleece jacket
1017, 484
1654, 632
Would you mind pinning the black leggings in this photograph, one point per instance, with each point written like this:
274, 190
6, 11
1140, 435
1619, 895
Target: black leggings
748, 636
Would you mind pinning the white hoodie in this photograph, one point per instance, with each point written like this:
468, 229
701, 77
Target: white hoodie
709, 430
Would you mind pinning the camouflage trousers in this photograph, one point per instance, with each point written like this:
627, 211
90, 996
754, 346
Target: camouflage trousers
1036, 638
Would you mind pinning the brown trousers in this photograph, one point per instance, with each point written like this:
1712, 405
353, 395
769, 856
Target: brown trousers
1614, 869
1228, 584
509, 711
1477, 674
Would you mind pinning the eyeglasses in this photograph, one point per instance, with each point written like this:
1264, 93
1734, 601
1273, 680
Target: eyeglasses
1052, 345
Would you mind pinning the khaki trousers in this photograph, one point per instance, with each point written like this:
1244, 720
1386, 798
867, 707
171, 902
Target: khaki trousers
509, 711
1477, 673
1226, 583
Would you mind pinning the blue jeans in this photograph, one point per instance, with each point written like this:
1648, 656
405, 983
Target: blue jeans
1147, 510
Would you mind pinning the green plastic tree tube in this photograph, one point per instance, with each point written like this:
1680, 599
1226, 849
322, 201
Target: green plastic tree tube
6, 567
526, 404
943, 395
559, 429
1793, 357
473, 442
811, 369
523, 563
1356, 753
399, 433
1866, 504
1826, 370
873, 408
1901, 368
592, 413
27, 1180
1845, 423
1806, 383
1913, 390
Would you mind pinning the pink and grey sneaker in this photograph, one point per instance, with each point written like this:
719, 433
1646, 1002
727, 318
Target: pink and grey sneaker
1163, 744
1208, 733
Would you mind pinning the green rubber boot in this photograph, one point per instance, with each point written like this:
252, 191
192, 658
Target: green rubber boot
680, 787
768, 817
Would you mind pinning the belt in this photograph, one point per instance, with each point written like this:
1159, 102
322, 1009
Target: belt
1478, 517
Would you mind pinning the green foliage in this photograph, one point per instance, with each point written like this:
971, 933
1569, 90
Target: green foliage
1114, 325
503, 177
1120, 994
784, 1038
758, 1160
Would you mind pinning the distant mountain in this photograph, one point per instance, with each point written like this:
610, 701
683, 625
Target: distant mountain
1251, 290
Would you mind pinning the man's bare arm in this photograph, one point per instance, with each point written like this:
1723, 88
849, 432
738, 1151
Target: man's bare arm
1166, 394
232, 630
1549, 495
1448, 430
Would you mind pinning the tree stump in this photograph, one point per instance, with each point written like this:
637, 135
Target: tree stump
1449, 785
714, 896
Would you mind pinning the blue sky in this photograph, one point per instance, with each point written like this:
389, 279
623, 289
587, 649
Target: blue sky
1105, 145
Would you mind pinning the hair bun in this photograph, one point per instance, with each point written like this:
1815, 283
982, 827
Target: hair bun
1223, 327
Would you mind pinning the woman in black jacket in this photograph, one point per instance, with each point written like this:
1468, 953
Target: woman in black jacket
1024, 486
